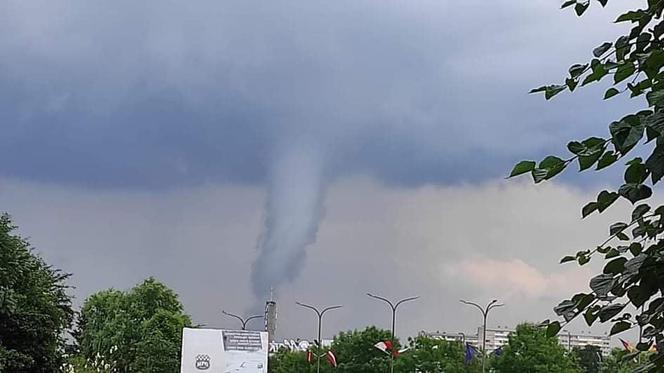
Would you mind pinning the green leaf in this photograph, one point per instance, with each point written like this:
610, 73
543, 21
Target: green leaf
553, 90
552, 329
522, 167
583, 259
588, 209
655, 164
599, 51
576, 70
636, 173
599, 71
620, 327
590, 316
607, 159
635, 248
623, 72
655, 98
548, 168
609, 311
549, 90
606, 199
602, 284
617, 227
631, 16
639, 211
568, 258
637, 296
575, 147
603, 2
581, 8
615, 266
626, 133
610, 93
568, 3
635, 192
586, 161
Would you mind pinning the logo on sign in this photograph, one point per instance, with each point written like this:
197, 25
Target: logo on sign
202, 362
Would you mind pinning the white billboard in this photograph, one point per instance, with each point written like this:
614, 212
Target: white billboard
223, 351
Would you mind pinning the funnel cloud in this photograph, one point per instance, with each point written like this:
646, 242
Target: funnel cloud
293, 212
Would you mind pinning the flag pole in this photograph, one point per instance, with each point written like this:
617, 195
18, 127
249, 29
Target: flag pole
485, 313
393, 306
320, 321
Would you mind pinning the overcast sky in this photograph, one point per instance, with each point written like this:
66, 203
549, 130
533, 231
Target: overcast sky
166, 138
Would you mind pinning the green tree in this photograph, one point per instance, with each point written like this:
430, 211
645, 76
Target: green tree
431, 355
616, 362
530, 350
287, 361
35, 309
135, 331
356, 353
627, 292
588, 357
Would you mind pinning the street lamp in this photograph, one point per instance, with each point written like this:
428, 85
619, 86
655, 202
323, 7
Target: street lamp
485, 311
320, 320
243, 321
394, 317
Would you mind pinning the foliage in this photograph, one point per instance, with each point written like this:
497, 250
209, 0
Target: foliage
628, 291
615, 363
588, 357
431, 355
135, 331
35, 309
356, 353
529, 349
286, 361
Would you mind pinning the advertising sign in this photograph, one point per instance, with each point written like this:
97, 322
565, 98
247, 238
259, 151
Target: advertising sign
223, 351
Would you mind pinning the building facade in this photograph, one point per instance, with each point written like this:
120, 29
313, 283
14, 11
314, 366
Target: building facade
499, 337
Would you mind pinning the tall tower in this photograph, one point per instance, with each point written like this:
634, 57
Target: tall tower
271, 317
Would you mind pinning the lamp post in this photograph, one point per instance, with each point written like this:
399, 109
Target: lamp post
320, 320
485, 312
393, 306
242, 320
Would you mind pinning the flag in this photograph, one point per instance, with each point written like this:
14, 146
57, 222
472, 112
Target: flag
628, 346
470, 353
388, 348
331, 358
310, 356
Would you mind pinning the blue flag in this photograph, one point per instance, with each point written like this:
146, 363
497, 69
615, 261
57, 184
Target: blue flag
498, 351
470, 353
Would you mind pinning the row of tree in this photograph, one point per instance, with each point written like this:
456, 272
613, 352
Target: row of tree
140, 330
529, 350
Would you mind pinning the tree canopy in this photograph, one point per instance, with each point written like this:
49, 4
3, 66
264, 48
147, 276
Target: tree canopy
135, 331
628, 291
35, 309
588, 357
356, 353
431, 355
530, 350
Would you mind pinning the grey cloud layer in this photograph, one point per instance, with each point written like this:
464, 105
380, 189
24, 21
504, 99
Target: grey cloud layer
165, 93
391, 241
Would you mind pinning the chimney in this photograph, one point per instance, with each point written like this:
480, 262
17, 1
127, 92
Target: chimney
271, 318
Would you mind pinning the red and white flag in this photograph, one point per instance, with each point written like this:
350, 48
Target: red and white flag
331, 358
310, 356
628, 346
387, 347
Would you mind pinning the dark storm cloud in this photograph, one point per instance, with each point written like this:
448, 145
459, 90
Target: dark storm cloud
163, 94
